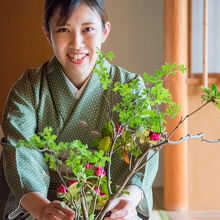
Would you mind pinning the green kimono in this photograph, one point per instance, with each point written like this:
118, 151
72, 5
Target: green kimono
42, 98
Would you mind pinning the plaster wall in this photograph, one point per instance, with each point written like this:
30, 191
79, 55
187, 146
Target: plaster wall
203, 157
23, 44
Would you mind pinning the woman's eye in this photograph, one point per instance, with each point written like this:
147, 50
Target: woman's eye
63, 30
88, 29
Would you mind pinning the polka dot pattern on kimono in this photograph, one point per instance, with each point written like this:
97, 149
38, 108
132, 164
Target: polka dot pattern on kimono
41, 98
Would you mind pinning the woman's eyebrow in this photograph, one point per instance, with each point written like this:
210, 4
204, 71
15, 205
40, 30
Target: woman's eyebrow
88, 23
84, 24
59, 25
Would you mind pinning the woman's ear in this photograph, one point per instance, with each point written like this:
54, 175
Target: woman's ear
47, 34
106, 31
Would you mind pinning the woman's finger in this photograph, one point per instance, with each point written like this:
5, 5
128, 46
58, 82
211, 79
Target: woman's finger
54, 211
66, 210
51, 217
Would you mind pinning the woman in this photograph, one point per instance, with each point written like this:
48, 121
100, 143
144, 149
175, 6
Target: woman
61, 93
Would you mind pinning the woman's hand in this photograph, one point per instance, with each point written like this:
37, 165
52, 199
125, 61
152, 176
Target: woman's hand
54, 211
42, 209
124, 210
124, 207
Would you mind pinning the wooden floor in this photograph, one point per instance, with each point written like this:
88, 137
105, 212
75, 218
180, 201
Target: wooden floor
171, 215
191, 215
194, 215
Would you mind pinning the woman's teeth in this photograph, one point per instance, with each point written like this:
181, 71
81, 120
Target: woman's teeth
77, 56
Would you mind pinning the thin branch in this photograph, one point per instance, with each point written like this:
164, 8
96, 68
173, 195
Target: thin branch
117, 149
130, 162
187, 116
69, 192
210, 141
61, 178
168, 74
156, 151
84, 210
84, 197
189, 136
122, 186
109, 165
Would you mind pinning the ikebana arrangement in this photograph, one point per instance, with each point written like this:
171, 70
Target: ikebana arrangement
140, 128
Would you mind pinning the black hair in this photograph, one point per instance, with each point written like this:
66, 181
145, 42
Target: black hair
66, 8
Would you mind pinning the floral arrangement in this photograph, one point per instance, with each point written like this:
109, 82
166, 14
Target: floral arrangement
86, 185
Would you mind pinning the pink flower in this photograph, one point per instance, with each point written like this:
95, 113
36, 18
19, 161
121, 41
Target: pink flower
102, 194
117, 129
96, 189
154, 136
133, 137
88, 166
129, 144
61, 189
72, 182
98, 171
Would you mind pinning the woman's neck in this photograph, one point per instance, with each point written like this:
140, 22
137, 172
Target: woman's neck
77, 81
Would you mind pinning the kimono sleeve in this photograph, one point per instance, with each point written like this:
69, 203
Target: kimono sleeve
24, 168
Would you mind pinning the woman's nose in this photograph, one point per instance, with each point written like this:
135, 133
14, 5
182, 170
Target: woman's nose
76, 40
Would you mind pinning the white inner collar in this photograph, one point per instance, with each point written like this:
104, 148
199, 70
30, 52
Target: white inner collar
76, 92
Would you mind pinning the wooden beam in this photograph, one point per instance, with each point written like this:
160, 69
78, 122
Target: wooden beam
175, 156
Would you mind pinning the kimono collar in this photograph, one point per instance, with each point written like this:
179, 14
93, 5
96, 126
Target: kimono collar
64, 99
76, 92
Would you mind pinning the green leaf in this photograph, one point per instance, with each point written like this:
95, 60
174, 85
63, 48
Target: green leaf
95, 141
182, 68
107, 130
218, 105
89, 172
63, 205
125, 192
105, 143
91, 217
214, 89
204, 97
80, 184
206, 90
107, 159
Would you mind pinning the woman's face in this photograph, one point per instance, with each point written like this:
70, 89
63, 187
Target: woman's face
75, 43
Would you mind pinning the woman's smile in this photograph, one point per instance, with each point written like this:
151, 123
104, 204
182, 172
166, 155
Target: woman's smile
75, 42
77, 58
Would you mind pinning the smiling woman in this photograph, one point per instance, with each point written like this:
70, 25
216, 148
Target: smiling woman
62, 93
75, 41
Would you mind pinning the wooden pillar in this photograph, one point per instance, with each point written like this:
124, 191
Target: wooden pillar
175, 156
